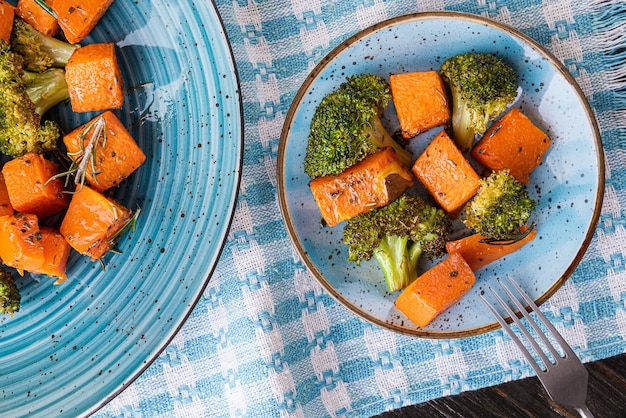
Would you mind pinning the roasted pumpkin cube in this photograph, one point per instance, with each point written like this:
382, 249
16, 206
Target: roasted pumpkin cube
94, 79
446, 174
373, 182
20, 242
512, 142
5, 202
421, 101
77, 18
116, 154
436, 290
56, 251
7, 14
33, 14
92, 221
31, 187
478, 253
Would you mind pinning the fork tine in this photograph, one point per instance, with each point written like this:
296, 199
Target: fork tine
531, 321
565, 379
557, 336
510, 332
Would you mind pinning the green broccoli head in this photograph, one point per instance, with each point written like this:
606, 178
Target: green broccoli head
482, 86
21, 128
397, 235
346, 126
500, 208
9, 294
40, 51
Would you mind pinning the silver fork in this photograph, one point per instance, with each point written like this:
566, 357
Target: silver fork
564, 378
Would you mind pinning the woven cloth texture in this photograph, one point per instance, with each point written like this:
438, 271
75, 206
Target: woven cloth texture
265, 339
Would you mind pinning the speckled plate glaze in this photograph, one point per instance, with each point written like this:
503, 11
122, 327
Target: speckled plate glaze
73, 347
568, 186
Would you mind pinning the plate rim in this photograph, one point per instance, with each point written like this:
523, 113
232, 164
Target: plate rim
327, 60
238, 170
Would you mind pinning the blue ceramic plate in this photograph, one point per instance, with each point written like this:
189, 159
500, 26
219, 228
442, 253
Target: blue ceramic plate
73, 347
568, 185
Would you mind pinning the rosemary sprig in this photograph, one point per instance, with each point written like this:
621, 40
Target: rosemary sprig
65, 174
46, 8
512, 238
85, 157
88, 153
131, 223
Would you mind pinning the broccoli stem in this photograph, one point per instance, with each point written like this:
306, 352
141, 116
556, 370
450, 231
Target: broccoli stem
398, 260
381, 138
40, 51
59, 50
462, 129
46, 89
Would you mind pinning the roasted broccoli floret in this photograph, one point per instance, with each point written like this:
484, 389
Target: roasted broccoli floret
482, 86
397, 235
40, 51
500, 208
21, 127
346, 126
9, 294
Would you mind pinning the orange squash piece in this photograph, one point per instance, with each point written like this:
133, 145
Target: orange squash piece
20, 242
77, 18
56, 251
436, 290
94, 79
478, 254
25, 178
5, 202
117, 154
421, 101
512, 142
91, 222
373, 182
37, 17
7, 14
446, 174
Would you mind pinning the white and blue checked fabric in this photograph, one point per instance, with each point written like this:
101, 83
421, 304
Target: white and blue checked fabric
266, 341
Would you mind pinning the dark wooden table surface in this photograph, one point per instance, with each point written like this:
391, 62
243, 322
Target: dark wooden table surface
606, 398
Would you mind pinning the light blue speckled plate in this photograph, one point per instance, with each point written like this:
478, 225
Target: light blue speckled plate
72, 347
568, 185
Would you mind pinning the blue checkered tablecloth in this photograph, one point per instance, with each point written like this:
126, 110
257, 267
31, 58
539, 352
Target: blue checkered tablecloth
265, 340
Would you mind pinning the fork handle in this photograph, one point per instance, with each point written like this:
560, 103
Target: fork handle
584, 412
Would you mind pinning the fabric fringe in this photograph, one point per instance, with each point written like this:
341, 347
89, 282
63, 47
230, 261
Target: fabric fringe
610, 26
